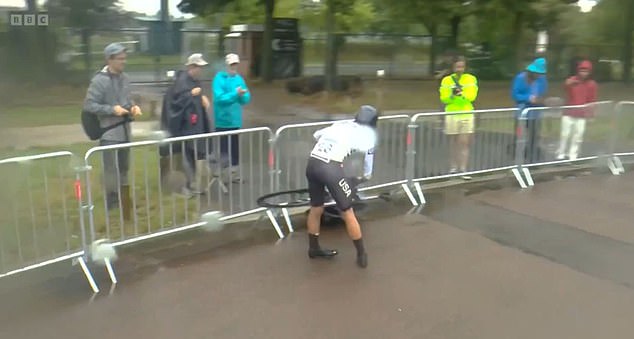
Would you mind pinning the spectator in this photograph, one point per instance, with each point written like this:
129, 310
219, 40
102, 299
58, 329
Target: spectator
458, 91
580, 90
529, 90
187, 115
230, 93
108, 97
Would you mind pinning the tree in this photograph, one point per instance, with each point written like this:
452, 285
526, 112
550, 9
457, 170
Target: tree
627, 37
206, 7
609, 22
432, 14
85, 16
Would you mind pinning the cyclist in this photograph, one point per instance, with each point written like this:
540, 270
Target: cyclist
325, 170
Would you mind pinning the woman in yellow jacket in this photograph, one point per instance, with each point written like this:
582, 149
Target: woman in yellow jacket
458, 91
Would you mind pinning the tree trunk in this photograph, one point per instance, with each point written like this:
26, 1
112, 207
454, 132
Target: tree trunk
85, 42
627, 46
433, 31
518, 41
331, 47
455, 29
266, 62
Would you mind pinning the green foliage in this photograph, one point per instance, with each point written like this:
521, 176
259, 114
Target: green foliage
351, 16
87, 14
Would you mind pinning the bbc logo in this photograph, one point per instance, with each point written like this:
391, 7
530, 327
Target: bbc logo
28, 19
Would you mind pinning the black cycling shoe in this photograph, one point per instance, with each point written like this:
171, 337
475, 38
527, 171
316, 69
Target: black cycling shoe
321, 253
362, 260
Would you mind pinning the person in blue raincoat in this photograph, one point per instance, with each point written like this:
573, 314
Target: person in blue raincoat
529, 90
230, 93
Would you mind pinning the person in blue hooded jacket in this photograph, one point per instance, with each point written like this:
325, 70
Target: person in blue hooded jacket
529, 90
230, 93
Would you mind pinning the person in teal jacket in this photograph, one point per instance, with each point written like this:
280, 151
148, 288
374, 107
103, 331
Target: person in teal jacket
230, 93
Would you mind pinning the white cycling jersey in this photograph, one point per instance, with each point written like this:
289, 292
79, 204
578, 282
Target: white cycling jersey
336, 142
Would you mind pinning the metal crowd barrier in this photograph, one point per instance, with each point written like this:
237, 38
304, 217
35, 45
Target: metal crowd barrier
51, 196
429, 146
154, 197
623, 125
542, 140
293, 144
42, 216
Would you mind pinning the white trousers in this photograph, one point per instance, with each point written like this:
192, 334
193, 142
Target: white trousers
572, 130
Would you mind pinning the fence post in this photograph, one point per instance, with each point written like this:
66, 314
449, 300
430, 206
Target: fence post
79, 170
272, 162
410, 159
410, 155
520, 149
613, 161
86, 169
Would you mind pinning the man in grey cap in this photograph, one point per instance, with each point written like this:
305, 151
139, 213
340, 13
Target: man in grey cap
108, 97
185, 113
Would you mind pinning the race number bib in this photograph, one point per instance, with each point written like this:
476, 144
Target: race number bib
323, 149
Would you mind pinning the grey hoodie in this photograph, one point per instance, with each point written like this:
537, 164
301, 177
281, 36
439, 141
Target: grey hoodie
105, 91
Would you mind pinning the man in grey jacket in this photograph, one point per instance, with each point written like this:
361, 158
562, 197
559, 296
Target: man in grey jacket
108, 97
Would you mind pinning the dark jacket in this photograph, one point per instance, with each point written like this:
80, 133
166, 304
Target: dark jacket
182, 113
186, 115
105, 91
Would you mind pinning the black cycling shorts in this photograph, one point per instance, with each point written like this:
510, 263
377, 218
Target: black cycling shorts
321, 175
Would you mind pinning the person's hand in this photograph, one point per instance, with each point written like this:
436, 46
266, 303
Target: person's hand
205, 101
241, 91
119, 111
136, 111
572, 81
532, 99
196, 91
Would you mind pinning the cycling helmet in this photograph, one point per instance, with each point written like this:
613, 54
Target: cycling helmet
367, 115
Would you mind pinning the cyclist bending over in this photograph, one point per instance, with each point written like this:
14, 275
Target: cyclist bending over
325, 170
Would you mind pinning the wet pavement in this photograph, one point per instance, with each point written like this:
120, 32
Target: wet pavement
480, 261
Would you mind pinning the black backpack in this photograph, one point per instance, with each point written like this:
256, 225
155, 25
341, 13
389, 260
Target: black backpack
93, 129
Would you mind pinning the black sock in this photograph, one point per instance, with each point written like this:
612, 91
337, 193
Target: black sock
313, 241
359, 245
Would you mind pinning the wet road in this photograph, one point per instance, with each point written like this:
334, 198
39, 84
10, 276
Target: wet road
550, 262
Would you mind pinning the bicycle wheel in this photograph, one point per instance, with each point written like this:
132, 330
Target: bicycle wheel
285, 199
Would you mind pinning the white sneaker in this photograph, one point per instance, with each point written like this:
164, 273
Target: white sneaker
561, 157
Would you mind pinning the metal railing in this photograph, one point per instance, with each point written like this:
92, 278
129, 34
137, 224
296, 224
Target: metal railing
566, 134
159, 185
59, 207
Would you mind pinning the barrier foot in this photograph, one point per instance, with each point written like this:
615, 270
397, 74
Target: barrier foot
88, 275
415, 210
287, 217
275, 224
528, 176
619, 164
409, 194
113, 277
222, 185
419, 191
615, 165
518, 177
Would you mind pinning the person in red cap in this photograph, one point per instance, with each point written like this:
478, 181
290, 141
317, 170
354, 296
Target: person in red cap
580, 90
